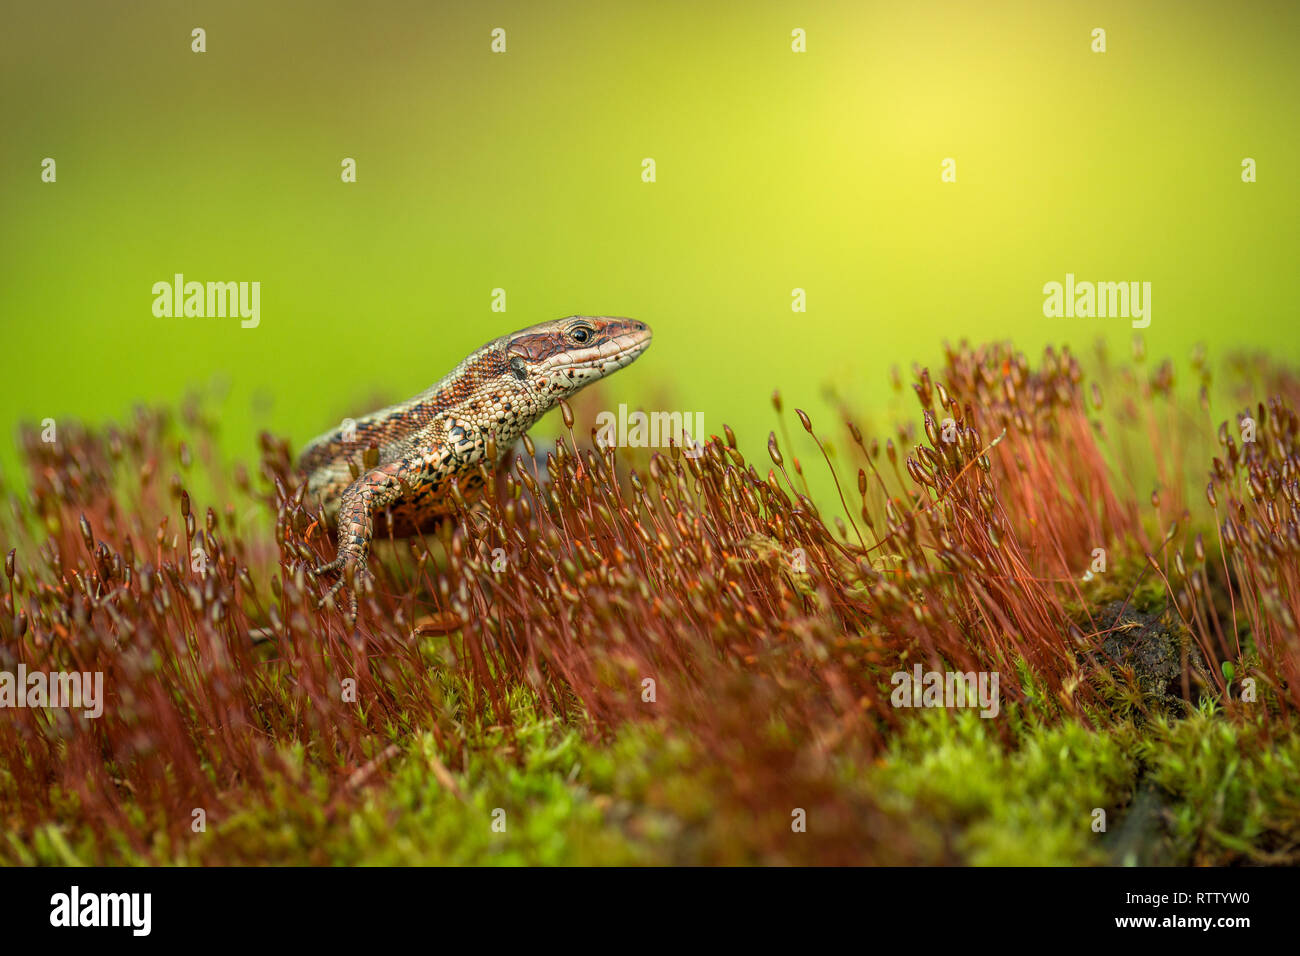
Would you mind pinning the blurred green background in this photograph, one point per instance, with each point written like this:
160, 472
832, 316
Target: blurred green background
775, 170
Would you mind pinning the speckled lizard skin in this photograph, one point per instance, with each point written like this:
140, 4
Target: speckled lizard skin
501, 390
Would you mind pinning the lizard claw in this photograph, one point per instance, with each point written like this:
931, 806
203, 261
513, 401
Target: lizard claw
336, 565
353, 568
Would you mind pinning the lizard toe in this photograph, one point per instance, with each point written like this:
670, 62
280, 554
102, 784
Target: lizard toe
331, 593
354, 574
330, 566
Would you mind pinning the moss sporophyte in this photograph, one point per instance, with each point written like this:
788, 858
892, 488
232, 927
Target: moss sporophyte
499, 660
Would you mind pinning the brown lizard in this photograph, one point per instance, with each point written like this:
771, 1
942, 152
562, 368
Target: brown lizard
413, 450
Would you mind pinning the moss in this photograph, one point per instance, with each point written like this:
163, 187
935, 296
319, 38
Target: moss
1233, 787
565, 801
1153, 646
1129, 581
1203, 790
969, 797
771, 677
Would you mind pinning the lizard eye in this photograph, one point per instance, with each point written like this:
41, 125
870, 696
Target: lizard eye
518, 369
581, 334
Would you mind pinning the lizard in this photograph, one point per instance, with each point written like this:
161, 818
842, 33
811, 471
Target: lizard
413, 450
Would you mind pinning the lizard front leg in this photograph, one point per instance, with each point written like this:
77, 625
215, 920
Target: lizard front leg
376, 489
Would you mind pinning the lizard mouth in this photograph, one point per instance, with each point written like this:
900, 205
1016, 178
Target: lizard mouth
614, 352
622, 349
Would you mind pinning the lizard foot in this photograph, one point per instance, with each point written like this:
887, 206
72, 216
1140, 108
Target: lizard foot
354, 571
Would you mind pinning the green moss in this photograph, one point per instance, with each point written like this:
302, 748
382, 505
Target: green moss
969, 797
1127, 580
1233, 787
1022, 790
537, 793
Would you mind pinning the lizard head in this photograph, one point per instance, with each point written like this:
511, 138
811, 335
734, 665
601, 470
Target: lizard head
555, 359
